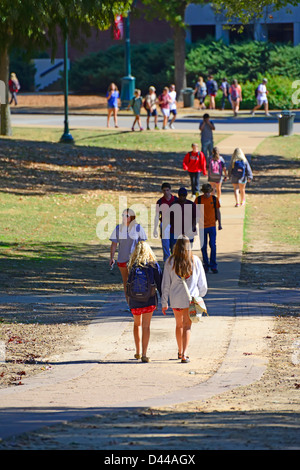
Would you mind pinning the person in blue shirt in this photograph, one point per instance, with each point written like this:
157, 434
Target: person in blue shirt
112, 97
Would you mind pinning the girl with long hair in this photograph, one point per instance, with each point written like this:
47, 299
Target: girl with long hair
143, 259
240, 173
217, 172
182, 264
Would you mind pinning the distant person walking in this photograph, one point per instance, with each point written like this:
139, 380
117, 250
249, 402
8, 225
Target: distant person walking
194, 163
136, 105
182, 264
162, 219
124, 238
212, 89
225, 93
235, 91
164, 101
239, 172
173, 105
144, 280
150, 106
217, 172
112, 97
14, 87
200, 92
207, 140
207, 227
262, 98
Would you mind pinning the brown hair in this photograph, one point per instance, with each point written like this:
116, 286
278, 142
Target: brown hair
183, 257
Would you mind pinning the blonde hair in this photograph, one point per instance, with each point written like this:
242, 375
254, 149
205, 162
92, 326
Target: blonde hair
142, 255
182, 257
238, 154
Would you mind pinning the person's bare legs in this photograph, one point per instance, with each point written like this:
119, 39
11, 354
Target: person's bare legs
141, 332
109, 113
124, 274
182, 330
236, 190
242, 188
115, 113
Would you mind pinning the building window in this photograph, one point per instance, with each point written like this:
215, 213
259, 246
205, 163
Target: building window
199, 32
281, 32
247, 34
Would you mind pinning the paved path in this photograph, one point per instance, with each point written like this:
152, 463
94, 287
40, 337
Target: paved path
226, 350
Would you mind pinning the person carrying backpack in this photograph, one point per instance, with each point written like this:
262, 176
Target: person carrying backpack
144, 280
194, 162
217, 172
240, 173
207, 226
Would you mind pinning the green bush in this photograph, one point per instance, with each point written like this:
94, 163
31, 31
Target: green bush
151, 64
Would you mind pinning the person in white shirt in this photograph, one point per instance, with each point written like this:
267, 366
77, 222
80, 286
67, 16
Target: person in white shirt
262, 98
182, 264
173, 105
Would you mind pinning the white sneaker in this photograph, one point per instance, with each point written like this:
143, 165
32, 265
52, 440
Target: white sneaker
252, 113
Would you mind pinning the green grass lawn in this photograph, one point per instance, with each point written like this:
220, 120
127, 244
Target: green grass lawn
272, 222
50, 192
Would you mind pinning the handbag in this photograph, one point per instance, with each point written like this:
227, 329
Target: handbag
197, 305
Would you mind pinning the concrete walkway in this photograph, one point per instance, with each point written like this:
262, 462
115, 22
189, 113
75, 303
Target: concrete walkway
226, 349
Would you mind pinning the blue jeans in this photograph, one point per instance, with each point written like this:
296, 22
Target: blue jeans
210, 232
207, 148
195, 182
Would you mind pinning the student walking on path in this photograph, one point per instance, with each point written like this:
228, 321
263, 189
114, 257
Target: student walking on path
182, 264
136, 105
112, 97
240, 173
125, 237
235, 91
150, 106
207, 140
162, 219
183, 217
164, 101
194, 163
144, 280
217, 172
207, 227
173, 106
262, 98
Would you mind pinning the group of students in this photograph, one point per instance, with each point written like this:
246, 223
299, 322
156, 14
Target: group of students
231, 92
166, 101
142, 276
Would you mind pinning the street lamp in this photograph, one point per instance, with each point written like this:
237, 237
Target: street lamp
128, 82
66, 137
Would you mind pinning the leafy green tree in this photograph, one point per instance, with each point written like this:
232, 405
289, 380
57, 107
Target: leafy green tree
173, 12
39, 23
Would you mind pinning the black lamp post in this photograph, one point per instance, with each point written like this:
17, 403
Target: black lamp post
66, 137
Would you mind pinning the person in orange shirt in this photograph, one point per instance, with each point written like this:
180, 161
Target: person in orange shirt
194, 162
212, 214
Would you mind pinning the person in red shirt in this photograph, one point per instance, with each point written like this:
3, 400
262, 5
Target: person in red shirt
162, 218
194, 162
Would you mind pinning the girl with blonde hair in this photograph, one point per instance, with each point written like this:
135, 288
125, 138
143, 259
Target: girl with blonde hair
144, 280
239, 172
125, 238
182, 264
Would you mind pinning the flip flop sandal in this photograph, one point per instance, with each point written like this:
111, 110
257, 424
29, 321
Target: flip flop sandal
137, 356
185, 359
145, 359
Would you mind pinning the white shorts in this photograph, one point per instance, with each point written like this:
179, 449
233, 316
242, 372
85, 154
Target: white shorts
261, 101
165, 112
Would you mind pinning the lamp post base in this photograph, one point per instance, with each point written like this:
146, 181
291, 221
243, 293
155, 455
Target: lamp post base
127, 90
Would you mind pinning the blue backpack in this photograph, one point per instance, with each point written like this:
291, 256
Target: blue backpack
140, 286
239, 169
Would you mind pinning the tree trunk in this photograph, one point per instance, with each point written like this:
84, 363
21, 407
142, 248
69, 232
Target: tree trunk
179, 60
5, 108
